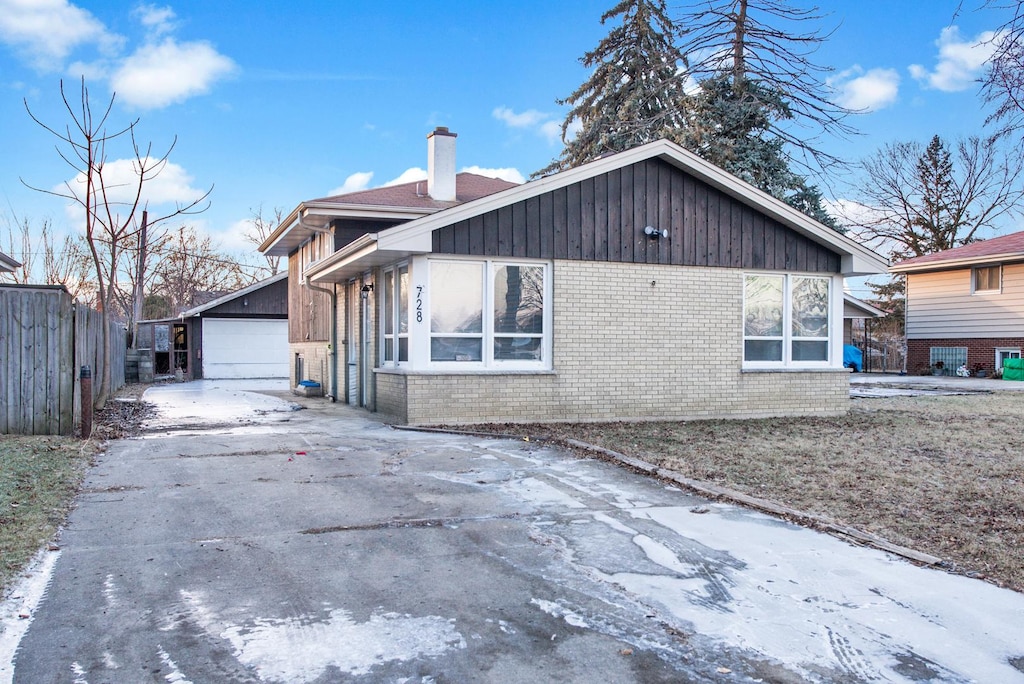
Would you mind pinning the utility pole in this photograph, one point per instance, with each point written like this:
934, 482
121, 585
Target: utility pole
140, 271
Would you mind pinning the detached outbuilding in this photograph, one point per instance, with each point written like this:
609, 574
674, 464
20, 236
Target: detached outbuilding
243, 334
647, 284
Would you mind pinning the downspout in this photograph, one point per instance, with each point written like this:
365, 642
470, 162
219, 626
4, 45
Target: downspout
333, 344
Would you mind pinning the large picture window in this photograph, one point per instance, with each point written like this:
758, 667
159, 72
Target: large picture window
786, 320
489, 314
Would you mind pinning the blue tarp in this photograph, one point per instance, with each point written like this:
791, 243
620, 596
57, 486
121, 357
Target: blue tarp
853, 358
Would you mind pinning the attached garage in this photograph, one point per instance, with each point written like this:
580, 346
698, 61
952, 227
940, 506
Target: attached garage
245, 348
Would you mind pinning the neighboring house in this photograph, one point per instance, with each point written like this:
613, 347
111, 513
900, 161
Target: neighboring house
7, 264
647, 284
965, 305
243, 334
854, 309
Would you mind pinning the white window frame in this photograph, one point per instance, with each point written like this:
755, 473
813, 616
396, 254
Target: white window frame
787, 338
974, 279
391, 277
1002, 353
488, 362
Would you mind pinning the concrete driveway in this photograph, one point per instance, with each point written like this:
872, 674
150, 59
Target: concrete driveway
264, 544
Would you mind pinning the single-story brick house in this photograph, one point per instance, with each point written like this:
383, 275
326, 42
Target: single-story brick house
965, 305
647, 284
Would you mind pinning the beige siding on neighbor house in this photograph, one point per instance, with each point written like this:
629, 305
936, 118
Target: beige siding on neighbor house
630, 342
941, 305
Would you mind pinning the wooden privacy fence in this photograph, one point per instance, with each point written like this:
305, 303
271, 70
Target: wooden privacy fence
45, 339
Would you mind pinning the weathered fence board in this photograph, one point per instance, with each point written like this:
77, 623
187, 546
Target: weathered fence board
45, 339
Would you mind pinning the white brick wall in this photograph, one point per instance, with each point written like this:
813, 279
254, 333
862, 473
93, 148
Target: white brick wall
630, 342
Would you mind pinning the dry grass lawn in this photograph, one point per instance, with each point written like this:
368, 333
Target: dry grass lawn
39, 477
943, 475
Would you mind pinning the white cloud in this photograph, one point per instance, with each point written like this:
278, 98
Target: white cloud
172, 185
527, 119
539, 122
868, 91
47, 31
354, 183
959, 63
159, 20
161, 74
575, 126
233, 238
552, 130
408, 176
510, 174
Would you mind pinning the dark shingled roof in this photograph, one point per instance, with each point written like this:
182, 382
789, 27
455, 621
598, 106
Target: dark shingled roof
468, 187
1012, 244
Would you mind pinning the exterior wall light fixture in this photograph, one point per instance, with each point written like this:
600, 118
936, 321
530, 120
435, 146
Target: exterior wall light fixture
651, 231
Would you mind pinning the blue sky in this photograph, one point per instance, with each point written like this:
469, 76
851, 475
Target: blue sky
275, 103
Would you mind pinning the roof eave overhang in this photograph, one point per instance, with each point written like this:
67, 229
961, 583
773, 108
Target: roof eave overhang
868, 311
951, 264
856, 260
306, 219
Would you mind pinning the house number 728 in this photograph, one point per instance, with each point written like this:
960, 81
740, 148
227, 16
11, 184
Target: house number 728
419, 303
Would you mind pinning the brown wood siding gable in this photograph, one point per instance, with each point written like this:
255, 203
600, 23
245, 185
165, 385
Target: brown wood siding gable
603, 219
270, 301
311, 314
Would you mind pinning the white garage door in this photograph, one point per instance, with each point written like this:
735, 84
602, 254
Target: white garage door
245, 348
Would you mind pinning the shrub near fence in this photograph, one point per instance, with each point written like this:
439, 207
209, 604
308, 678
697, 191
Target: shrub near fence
45, 339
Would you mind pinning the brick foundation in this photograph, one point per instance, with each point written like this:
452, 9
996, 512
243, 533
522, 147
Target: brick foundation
981, 350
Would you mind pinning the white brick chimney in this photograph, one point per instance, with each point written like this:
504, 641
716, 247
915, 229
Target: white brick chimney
441, 164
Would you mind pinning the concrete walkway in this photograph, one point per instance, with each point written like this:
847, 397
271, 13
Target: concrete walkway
877, 384
264, 544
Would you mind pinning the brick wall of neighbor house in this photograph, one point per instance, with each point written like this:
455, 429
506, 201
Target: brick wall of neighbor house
630, 342
979, 350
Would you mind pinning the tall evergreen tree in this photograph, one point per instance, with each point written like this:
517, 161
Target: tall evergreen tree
731, 128
760, 97
635, 94
760, 51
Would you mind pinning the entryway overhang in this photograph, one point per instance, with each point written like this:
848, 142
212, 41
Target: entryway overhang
360, 256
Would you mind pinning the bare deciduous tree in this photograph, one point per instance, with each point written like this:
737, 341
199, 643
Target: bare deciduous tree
65, 263
110, 209
918, 200
189, 270
1002, 86
261, 228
